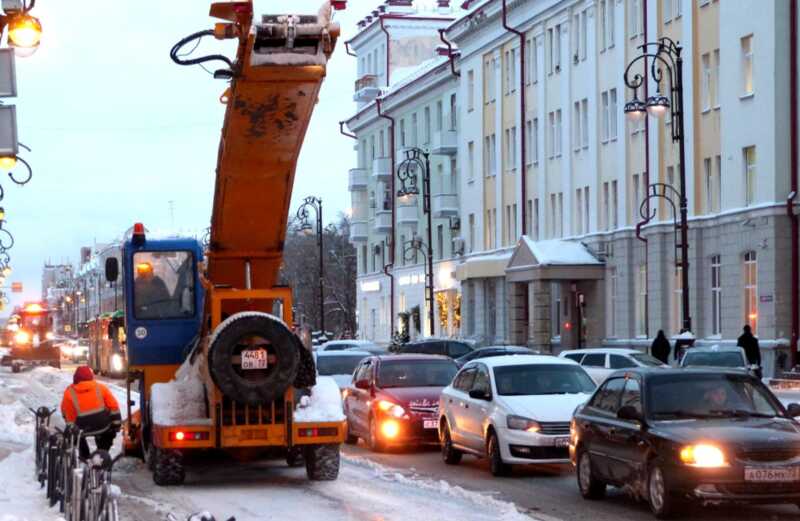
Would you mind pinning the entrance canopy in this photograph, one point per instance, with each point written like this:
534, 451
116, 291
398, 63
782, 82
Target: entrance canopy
552, 260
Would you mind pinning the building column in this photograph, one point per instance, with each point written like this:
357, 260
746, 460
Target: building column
540, 330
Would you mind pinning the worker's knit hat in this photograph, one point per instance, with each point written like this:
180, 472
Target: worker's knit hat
83, 374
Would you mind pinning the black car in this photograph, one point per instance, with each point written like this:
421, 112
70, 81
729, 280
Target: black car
486, 352
451, 348
671, 436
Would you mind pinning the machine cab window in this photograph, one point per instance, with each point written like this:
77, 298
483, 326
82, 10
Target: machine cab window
163, 285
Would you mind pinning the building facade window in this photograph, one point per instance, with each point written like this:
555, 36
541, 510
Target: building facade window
614, 206
718, 185
579, 211
471, 232
747, 65
585, 123
558, 133
612, 97
576, 126
470, 90
705, 86
641, 301
471, 160
716, 295
750, 180
708, 177
751, 290
714, 87
535, 141
584, 34
536, 222
605, 130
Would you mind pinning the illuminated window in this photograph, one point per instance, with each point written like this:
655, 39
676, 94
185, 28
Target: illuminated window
751, 290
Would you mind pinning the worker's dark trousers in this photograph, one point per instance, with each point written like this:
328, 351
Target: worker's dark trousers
104, 441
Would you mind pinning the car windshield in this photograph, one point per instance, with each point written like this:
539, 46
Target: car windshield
345, 364
647, 360
163, 284
719, 359
416, 373
708, 396
537, 379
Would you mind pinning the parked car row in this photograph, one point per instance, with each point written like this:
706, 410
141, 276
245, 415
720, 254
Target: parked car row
670, 436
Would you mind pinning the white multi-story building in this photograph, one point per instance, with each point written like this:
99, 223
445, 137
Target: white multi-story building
551, 189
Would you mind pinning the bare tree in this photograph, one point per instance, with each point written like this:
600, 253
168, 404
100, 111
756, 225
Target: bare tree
300, 270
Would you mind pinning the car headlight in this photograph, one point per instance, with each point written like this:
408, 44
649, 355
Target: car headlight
116, 362
22, 337
703, 455
49, 335
519, 423
392, 409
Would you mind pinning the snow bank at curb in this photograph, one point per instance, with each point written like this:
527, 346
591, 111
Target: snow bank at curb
324, 404
20, 495
505, 511
180, 401
43, 386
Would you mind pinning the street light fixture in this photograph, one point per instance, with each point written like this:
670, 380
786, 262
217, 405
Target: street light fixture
24, 30
417, 159
663, 56
307, 230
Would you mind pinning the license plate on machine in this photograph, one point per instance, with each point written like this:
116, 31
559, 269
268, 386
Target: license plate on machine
254, 359
429, 424
562, 441
772, 474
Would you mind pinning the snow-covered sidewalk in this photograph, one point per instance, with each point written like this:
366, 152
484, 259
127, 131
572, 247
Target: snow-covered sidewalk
260, 491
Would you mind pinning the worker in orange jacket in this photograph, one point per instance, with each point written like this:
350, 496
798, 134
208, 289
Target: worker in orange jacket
90, 406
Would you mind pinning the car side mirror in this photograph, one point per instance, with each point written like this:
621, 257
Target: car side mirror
112, 269
793, 409
479, 394
362, 384
629, 413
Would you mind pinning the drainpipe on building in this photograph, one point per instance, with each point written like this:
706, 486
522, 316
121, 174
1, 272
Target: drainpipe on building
388, 57
790, 203
392, 192
451, 54
343, 132
523, 112
348, 50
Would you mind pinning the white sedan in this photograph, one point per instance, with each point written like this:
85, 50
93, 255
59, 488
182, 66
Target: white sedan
601, 362
512, 410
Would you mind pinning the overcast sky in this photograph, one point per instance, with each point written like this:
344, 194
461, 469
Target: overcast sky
118, 131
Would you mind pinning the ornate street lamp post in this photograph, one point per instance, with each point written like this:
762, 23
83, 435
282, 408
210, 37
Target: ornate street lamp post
307, 229
660, 56
417, 159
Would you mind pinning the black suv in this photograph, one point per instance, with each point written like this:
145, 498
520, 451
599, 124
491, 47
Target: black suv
451, 348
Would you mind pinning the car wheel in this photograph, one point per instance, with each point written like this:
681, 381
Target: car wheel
589, 485
351, 438
663, 504
374, 442
450, 455
497, 466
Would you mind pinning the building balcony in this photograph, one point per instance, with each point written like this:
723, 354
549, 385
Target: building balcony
359, 231
383, 221
444, 143
382, 169
407, 215
367, 88
444, 205
357, 180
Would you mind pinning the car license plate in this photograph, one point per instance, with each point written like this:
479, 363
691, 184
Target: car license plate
562, 441
256, 359
772, 474
430, 424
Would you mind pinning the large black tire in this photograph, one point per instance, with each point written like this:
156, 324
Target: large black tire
294, 457
15, 368
261, 386
167, 467
322, 462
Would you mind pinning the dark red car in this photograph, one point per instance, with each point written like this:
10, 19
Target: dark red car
394, 399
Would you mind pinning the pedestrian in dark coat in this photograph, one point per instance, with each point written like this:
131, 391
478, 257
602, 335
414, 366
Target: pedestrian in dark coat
749, 343
661, 348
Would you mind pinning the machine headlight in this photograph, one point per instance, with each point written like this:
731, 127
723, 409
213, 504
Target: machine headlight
392, 409
50, 335
519, 423
22, 337
116, 363
703, 455
66, 350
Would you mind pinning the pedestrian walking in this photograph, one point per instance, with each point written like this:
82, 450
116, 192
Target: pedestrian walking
749, 343
660, 348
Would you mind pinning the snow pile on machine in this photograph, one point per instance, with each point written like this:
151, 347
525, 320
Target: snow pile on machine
324, 404
180, 401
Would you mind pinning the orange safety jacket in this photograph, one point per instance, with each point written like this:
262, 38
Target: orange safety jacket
90, 406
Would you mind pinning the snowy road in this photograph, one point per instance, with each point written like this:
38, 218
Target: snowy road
365, 491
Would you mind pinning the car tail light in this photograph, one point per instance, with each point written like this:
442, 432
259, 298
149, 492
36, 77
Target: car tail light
188, 436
